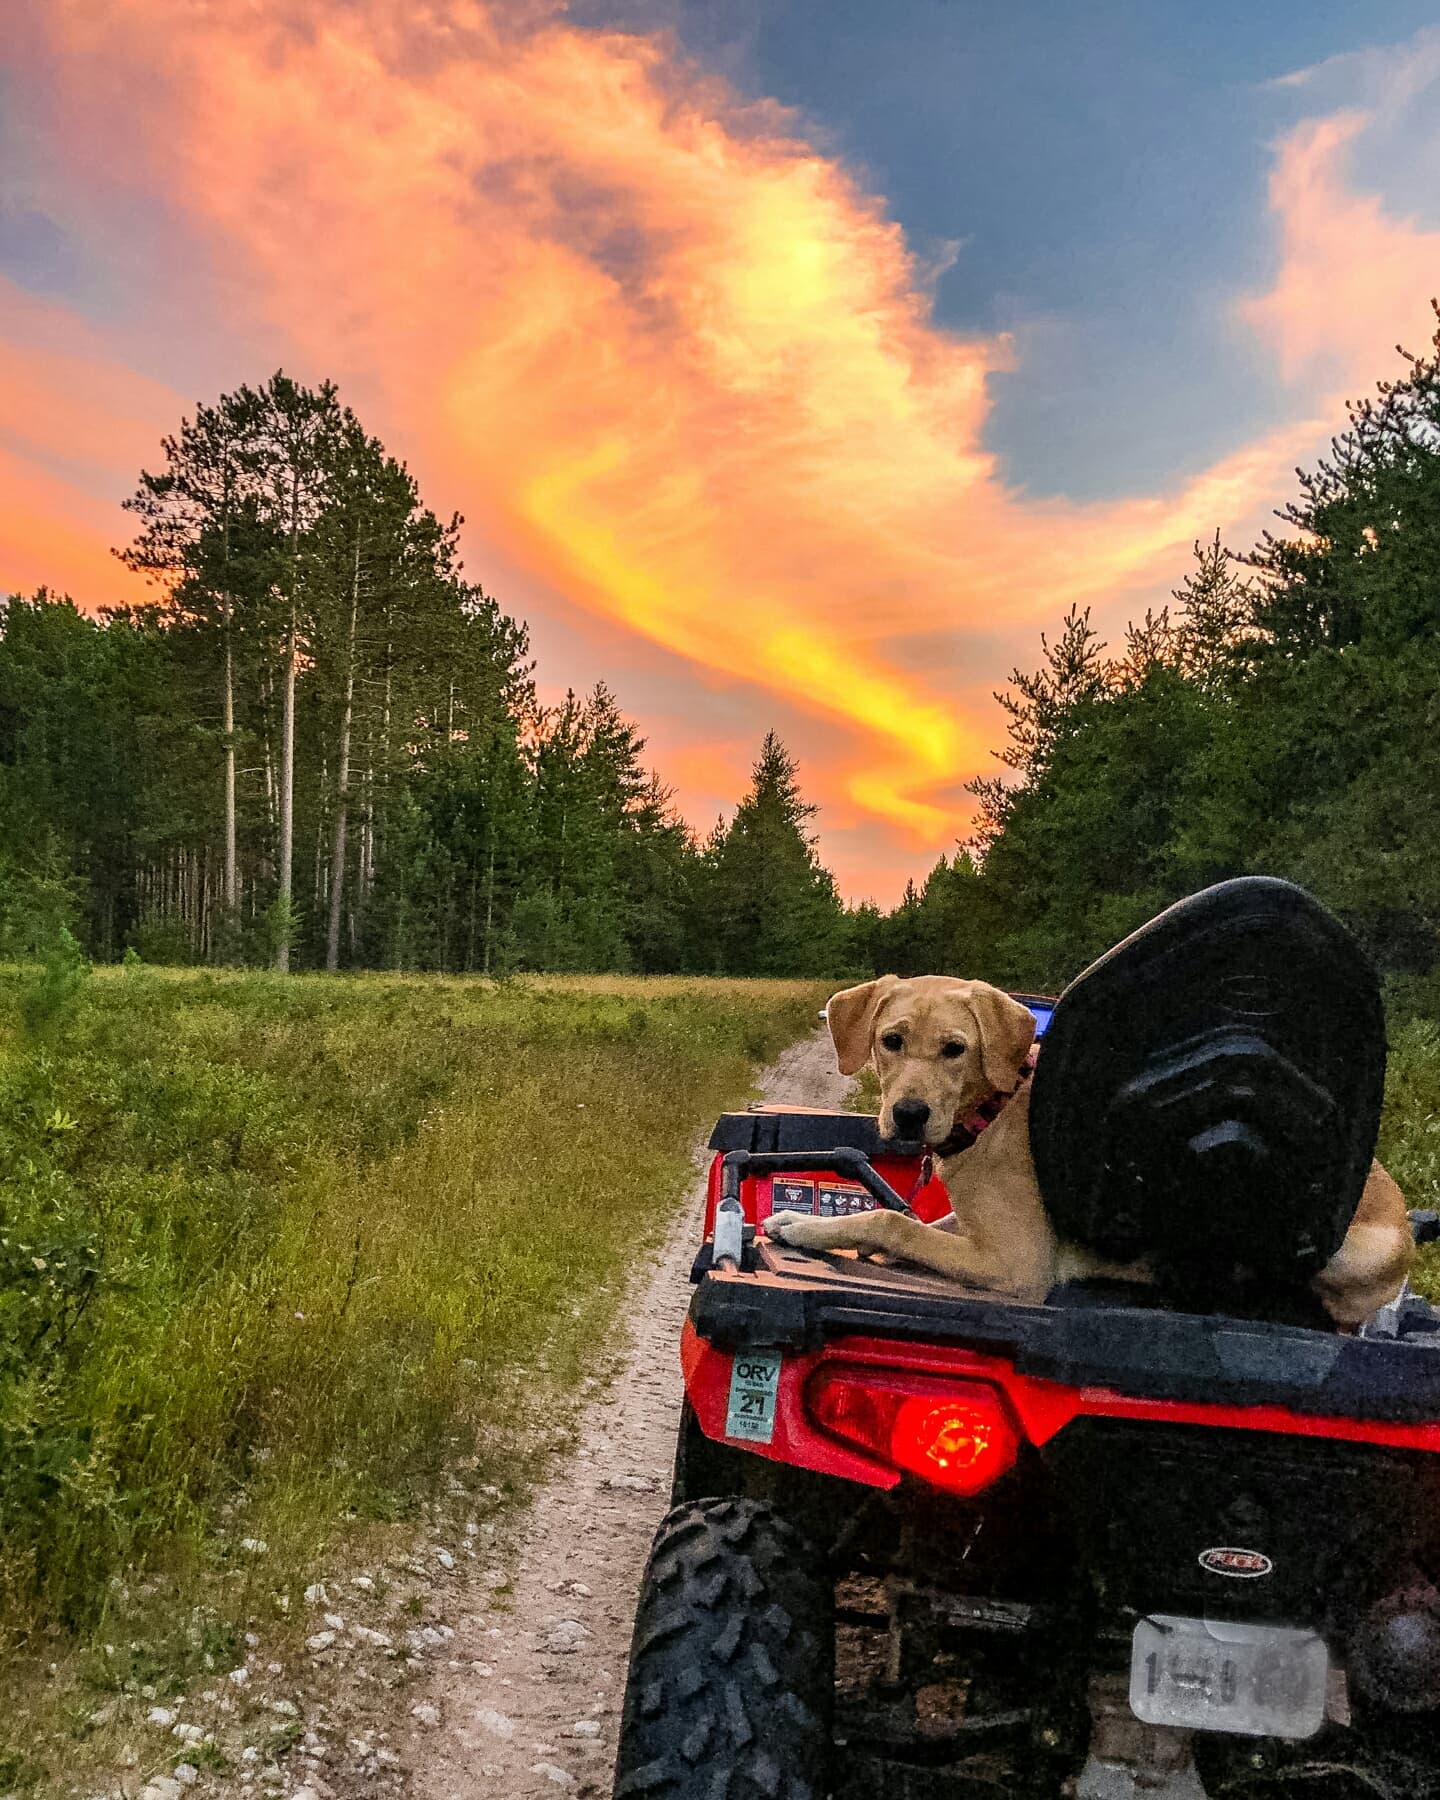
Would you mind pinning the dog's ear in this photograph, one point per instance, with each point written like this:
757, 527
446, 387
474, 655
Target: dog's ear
850, 1015
1007, 1030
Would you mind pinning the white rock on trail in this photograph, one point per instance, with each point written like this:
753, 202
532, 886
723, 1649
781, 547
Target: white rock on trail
186, 1774
630, 1484
425, 1714
552, 1772
161, 1715
585, 1728
239, 1676
376, 1639
162, 1787
496, 1723
445, 1559
187, 1734
322, 1640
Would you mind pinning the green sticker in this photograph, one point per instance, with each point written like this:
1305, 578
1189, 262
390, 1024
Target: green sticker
754, 1379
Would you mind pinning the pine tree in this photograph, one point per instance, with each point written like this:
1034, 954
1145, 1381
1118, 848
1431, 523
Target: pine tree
773, 908
1217, 608
202, 539
1041, 704
298, 428
1150, 645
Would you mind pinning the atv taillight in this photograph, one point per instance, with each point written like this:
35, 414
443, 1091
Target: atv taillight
956, 1434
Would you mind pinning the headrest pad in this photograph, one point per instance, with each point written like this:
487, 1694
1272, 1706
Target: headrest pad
1209, 1093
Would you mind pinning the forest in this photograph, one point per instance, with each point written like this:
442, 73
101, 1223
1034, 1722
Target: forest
1280, 717
320, 744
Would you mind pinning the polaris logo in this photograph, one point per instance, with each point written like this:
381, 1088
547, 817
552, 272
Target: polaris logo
1239, 1565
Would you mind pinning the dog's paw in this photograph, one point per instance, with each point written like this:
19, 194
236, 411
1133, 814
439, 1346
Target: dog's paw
790, 1228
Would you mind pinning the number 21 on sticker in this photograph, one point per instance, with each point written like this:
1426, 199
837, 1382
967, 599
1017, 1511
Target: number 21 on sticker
754, 1379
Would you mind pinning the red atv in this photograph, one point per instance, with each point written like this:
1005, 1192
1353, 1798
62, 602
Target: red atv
1178, 1540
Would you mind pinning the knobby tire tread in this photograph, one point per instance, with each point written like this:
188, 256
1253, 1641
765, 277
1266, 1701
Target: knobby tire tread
732, 1665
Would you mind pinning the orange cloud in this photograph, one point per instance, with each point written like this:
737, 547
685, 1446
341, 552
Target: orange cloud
677, 366
53, 535
74, 422
1352, 279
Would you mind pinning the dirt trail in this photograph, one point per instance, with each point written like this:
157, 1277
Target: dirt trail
535, 1712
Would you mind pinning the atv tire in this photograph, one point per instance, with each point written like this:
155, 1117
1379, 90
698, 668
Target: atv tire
731, 1688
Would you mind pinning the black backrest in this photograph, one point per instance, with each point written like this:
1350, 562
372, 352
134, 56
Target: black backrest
1209, 1093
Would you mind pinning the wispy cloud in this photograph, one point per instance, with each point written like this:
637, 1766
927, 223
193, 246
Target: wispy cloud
674, 362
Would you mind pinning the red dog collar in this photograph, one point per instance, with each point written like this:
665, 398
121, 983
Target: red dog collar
969, 1128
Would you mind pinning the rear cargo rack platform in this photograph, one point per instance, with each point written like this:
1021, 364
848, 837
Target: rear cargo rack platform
799, 1301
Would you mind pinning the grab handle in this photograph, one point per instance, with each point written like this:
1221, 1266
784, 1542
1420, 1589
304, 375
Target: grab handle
854, 1164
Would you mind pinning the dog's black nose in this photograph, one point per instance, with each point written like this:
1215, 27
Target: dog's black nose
909, 1117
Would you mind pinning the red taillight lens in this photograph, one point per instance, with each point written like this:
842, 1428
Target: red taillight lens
956, 1434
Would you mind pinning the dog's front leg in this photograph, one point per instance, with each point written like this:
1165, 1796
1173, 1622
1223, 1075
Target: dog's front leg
946, 1252
865, 1232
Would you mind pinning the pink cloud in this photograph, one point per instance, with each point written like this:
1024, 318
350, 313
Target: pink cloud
678, 368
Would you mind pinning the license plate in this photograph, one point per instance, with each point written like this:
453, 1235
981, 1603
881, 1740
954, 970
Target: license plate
754, 1381
1203, 1675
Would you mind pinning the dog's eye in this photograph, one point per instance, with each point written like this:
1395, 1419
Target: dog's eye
953, 1049
892, 1040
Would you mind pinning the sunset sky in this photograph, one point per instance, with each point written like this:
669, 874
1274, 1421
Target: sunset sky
794, 362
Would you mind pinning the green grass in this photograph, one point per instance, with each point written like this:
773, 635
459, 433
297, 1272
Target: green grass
1410, 1133
276, 1254
864, 1095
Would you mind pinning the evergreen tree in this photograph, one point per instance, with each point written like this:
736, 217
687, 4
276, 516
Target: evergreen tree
1217, 608
773, 909
1041, 705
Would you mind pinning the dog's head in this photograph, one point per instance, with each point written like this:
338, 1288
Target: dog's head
940, 1046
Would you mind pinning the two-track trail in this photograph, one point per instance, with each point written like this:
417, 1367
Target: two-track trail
534, 1710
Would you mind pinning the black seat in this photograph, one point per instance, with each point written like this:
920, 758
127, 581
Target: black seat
1209, 1095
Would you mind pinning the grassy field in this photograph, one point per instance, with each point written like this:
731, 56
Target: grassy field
289, 1263
1410, 1131
275, 1253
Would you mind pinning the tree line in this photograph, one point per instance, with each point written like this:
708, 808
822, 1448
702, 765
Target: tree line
1281, 716
319, 745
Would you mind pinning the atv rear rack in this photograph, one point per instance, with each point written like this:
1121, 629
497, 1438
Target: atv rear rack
795, 1301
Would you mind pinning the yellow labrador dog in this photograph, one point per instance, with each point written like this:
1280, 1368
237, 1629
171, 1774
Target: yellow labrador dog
941, 1048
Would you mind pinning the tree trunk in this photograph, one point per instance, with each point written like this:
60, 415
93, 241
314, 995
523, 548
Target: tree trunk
489, 897
232, 889
287, 799
342, 779
267, 862
287, 736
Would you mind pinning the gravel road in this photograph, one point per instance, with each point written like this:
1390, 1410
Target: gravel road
533, 1709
